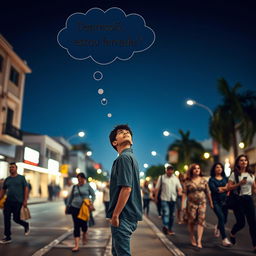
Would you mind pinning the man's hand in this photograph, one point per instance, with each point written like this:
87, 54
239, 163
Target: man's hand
114, 221
25, 203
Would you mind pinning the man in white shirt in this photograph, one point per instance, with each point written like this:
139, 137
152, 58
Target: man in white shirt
170, 187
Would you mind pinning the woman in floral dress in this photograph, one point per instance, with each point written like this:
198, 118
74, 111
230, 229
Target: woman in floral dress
196, 191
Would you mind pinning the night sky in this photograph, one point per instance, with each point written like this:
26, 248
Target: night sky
196, 43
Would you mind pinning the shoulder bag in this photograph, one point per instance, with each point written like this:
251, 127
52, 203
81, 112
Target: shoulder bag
69, 207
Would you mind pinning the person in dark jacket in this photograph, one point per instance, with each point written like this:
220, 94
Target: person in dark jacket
218, 186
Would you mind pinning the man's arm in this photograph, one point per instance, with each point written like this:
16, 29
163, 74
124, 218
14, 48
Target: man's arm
121, 202
25, 201
2, 193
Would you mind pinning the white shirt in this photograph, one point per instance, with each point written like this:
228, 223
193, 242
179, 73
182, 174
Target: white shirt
170, 186
246, 189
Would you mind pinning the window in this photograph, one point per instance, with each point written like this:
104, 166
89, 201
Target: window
1, 63
14, 76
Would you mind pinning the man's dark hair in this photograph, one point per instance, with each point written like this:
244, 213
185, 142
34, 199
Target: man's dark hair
81, 175
112, 135
169, 167
13, 163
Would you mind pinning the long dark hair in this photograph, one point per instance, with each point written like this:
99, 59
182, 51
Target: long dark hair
237, 167
223, 174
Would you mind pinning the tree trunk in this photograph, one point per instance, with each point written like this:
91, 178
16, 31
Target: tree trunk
234, 141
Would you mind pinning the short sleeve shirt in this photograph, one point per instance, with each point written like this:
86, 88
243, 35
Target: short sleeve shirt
246, 189
170, 186
15, 187
125, 173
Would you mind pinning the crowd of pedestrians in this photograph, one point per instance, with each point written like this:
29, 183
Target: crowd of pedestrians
219, 191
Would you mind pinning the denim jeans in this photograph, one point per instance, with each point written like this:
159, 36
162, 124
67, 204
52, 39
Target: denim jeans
221, 212
168, 213
121, 237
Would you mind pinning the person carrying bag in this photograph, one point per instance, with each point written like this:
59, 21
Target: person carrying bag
80, 192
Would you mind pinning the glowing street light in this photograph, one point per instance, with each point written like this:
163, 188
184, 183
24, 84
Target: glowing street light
241, 145
89, 153
166, 133
145, 165
99, 171
206, 155
153, 153
80, 134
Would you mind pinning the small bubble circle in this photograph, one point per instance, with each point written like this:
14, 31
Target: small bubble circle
109, 115
97, 75
100, 91
104, 101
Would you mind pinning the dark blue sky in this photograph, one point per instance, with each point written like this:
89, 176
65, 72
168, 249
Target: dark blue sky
197, 42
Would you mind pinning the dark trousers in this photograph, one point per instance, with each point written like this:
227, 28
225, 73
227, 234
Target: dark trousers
78, 223
106, 203
221, 212
9, 209
245, 209
146, 202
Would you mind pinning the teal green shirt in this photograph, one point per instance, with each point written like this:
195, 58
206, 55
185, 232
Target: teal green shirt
15, 187
125, 173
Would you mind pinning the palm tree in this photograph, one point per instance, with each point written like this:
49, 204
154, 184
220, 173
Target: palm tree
189, 150
235, 114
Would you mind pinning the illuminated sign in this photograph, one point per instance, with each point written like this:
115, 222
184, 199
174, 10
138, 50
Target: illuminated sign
53, 165
31, 156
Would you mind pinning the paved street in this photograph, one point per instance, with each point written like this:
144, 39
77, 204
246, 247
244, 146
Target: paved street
51, 235
211, 245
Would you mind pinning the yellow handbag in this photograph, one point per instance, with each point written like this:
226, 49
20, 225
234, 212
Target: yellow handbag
2, 201
84, 213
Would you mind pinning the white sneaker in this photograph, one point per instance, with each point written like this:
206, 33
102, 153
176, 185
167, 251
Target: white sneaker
216, 231
226, 242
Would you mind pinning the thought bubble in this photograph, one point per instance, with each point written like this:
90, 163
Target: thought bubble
97, 75
105, 36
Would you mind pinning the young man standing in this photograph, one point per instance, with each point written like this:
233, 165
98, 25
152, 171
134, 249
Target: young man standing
17, 195
170, 188
125, 207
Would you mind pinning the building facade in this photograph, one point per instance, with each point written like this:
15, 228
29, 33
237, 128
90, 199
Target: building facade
39, 160
12, 81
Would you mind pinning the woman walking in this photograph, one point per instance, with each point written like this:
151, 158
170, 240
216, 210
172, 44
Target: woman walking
196, 190
146, 197
79, 192
242, 182
218, 186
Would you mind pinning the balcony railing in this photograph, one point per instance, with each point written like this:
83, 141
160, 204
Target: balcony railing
12, 131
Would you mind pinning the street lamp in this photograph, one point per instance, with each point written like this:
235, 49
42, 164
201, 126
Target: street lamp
241, 145
89, 153
167, 133
153, 153
215, 150
80, 134
145, 165
191, 102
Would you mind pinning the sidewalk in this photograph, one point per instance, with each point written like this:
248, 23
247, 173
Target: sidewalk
147, 240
